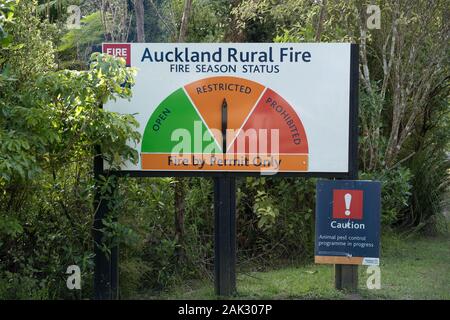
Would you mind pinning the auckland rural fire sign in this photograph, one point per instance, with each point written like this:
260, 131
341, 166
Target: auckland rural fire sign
347, 222
216, 107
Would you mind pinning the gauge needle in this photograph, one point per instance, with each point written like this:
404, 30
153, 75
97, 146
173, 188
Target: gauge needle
224, 125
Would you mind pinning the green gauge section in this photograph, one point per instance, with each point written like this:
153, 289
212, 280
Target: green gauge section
175, 123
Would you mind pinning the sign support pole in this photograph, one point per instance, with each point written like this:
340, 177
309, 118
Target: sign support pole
225, 224
105, 266
225, 235
346, 275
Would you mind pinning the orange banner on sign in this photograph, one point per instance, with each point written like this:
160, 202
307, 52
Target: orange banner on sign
227, 162
338, 260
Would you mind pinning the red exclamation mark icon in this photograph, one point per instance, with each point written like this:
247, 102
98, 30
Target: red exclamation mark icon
347, 204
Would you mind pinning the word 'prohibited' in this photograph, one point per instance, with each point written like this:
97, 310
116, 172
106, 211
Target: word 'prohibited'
348, 222
249, 107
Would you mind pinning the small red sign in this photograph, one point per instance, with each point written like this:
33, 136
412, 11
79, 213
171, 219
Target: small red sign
347, 204
122, 50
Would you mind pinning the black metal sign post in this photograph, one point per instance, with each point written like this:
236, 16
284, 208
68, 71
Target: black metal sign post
345, 275
225, 224
106, 276
225, 235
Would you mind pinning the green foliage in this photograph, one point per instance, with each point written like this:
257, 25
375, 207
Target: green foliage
206, 21
265, 210
15, 286
6, 16
151, 261
90, 33
50, 121
372, 142
77, 43
48, 7
395, 193
43, 126
254, 20
275, 218
294, 20
430, 166
431, 184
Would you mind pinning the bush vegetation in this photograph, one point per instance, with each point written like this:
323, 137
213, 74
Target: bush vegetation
50, 89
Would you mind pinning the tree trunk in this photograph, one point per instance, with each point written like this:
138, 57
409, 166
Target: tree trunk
185, 20
320, 21
140, 30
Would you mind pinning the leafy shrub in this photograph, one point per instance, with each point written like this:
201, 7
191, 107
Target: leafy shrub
18, 286
49, 122
430, 183
395, 192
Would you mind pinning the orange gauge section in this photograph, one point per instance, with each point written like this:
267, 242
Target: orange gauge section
208, 95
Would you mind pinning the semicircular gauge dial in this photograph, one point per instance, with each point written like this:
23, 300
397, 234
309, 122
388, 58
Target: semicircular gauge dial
186, 130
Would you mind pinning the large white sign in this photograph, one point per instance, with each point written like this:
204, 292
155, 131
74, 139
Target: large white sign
269, 107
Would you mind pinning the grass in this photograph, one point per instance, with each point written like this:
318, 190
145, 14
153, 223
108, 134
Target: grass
414, 269
417, 268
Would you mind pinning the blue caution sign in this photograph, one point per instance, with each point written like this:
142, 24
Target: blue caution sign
348, 222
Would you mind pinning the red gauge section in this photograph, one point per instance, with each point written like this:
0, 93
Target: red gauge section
273, 127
